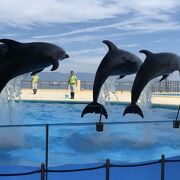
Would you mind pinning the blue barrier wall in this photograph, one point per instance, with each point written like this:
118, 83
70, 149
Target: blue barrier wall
163, 169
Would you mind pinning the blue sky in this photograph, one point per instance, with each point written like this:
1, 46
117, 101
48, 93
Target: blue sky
79, 26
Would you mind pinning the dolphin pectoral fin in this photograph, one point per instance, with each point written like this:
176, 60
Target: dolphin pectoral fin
133, 108
35, 72
146, 52
164, 77
9, 42
55, 65
121, 76
110, 45
95, 107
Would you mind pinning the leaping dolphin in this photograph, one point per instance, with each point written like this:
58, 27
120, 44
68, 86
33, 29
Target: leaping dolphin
20, 58
115, 62
155, 64
3, 50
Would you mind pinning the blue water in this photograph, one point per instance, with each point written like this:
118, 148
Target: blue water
82, 144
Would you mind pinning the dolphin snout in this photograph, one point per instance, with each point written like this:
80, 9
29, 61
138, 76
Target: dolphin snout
66, 56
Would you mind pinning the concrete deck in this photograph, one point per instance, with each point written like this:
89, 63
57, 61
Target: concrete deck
85, 96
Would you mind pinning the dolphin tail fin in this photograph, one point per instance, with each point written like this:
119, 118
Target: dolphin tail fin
133, 108
95, 107
110, 45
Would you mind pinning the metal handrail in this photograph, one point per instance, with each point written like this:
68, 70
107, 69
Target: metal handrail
170, 87
85, 124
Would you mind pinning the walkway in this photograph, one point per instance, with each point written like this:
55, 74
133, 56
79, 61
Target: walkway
85, 96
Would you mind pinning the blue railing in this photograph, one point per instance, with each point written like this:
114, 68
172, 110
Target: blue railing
169, 87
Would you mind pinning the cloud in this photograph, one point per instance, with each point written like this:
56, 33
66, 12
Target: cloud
8, 35
80, 26
82, 65
100, 50
32, 13
158, 41
93, 50
55, 11
129, 26
104, 17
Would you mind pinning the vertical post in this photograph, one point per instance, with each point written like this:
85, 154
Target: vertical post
176, 122
47, 148
107, 168
78, 88
42, 171
162, 166
178, 113
100, 125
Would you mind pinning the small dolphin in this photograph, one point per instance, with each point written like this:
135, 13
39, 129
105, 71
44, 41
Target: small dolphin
159, 64
115, 62
21, 58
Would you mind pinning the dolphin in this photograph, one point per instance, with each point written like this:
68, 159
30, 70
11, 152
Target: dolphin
3, 50
19, 58
115, 62
155, 65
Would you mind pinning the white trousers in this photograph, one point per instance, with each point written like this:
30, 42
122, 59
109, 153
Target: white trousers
72, 87
34, 85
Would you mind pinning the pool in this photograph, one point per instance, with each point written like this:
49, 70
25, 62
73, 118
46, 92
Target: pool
80, 144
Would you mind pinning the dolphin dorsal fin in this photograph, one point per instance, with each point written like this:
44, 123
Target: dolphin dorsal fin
110, 45
146, 52
9, 42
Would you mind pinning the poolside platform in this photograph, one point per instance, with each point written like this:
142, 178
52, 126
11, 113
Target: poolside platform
85, 96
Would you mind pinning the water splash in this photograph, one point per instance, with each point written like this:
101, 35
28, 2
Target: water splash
10, 113
145, 97
107, 89
8, 107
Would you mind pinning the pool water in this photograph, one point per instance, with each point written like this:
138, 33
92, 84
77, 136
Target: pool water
72, 144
